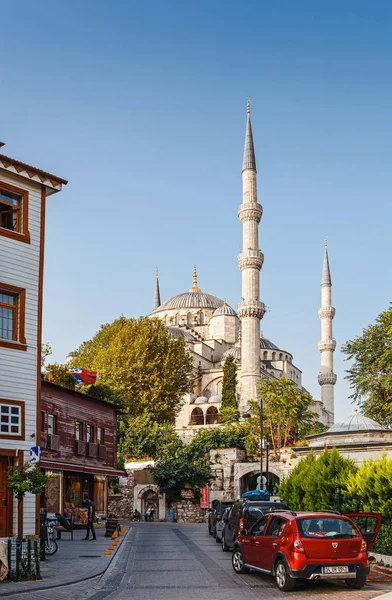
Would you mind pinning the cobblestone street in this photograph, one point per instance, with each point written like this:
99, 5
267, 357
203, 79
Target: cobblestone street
182, 562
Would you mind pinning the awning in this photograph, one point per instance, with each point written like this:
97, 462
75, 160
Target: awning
58, 466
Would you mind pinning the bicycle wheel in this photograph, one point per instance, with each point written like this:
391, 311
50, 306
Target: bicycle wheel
51, 547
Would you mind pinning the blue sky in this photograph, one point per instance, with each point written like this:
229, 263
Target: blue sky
142, 107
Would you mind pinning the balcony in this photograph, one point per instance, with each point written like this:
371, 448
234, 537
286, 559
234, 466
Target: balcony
53, 442
102, 451
80, 447
92, 450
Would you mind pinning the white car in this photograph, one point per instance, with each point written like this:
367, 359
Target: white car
220, 524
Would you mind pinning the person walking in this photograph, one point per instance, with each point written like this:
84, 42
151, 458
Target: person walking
90, 519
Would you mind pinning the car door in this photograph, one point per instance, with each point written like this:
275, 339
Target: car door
231, 529
251, 547
368, 524
269, 542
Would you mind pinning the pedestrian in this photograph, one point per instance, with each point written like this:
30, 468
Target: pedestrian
147, 514
136, 515
90, 518
62, 524
152, 513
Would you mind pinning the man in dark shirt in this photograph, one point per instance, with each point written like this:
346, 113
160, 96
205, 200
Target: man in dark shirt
62, 523
90, 518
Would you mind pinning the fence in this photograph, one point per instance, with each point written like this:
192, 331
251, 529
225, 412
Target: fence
23, 559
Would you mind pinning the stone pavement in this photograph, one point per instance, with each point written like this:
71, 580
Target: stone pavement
163, 561
74, 561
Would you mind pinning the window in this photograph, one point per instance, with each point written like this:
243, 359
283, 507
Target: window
12, 317
211, 415
14, 212
100, 435
197, 416
276, 526
51, 425
78, 430
11, 419
42, 421
89, 433
259, 527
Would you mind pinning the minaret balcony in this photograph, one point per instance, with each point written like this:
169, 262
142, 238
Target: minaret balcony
250, 259
251, 308
329, 344
327, 378
250, 212
326, 312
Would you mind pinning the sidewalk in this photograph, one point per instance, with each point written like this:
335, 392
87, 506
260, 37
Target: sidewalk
74, 561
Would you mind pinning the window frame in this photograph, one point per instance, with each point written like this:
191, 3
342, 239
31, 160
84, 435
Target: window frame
23, 235
101, 440
91, 440
19, 343
21, 405
80, 438
54, 432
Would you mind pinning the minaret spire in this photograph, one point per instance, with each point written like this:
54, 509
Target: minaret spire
195, 287
327, 344
157, 295
250, 261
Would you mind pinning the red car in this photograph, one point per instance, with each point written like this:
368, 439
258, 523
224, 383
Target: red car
296, 546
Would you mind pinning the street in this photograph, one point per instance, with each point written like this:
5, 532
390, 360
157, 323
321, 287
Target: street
162, 561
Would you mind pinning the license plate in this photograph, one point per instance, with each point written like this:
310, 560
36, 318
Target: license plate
334, 569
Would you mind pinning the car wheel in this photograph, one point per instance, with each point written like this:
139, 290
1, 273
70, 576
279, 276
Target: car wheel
238, 563
357, 583
225, 547
283, 579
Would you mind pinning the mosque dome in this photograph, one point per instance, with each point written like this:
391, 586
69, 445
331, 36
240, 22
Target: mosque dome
355, 422
235, 351
177, 332
215, 399
201, 400
224, 310
266, 344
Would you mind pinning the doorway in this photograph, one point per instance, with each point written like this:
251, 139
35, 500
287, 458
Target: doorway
151, 500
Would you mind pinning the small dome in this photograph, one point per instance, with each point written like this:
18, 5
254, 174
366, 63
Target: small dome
177, 332
216, 399
201, 400
235, 351
267, 344
355, 422
225, 310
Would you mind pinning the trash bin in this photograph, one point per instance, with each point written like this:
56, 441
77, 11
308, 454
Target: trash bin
170, 515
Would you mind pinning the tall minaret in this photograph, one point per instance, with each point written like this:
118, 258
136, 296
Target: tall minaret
327, 344
157, 295
250, 261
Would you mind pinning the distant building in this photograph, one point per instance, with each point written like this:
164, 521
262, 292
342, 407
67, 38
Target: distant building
23, 193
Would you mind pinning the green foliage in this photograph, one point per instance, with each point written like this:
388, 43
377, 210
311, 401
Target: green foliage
23, 480
150, 370
46, 350
383, 543
370, 376
230, 436
172, 474
60, 374
101, 391
312, 483
229, 412
372, 483
143, 438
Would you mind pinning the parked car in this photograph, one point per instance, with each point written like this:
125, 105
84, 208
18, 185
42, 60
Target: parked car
243, 514
292, 546
220, 525
216, 511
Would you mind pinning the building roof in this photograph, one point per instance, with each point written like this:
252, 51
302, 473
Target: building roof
191, 300
355, 422
225, 310
76, 394
8, 161
177, 332
266, 344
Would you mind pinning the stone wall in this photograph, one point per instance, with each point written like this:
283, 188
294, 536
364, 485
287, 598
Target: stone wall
188, 512
121, 503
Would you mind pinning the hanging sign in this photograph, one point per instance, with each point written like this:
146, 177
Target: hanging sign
187, 494
131, 481
204, 496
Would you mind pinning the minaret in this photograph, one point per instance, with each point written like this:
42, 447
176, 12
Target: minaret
327, 344
157, 295
250, 261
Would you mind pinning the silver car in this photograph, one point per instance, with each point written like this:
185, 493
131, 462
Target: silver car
220, 524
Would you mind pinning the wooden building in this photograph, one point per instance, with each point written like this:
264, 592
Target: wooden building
78, 448
23, 193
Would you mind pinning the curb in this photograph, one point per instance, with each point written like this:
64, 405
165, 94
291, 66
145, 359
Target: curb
386, 596
61, 585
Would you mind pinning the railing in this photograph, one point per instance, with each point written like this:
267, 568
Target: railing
101, 451
23, 559
80, 447
54, 442
92, 450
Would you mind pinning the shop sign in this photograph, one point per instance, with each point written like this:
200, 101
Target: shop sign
187, 494
131, 481
204, 496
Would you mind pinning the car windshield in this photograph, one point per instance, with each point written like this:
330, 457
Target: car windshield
225, 505
254, 513
326, 527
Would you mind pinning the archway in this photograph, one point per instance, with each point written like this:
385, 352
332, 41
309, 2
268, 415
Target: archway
150, 500
211, 415
249, 481
197, 416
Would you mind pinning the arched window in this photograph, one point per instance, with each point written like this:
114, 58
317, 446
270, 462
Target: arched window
211, 415
265, 354
273, 355
197, 416
280, 356
285, 357
201, 318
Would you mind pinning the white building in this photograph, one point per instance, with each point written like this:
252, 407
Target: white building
23, 193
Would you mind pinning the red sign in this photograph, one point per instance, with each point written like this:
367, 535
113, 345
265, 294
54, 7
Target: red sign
204, 497
187, 494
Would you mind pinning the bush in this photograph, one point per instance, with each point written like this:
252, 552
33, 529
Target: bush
383, 543
229, 436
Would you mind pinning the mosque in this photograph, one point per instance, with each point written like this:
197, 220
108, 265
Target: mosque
214, 330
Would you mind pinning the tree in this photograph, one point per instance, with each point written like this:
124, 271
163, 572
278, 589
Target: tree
180, 471
26, 479
46, 350
101, 391
229, 408
372, 484
287, 413
60, 374
312, 485
370, 376
229, 436
143, 438
150, 370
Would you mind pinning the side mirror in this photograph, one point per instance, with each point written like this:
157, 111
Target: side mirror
244, 532
219, 517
